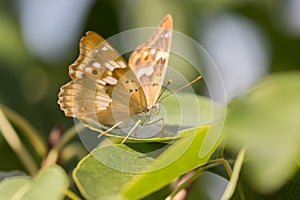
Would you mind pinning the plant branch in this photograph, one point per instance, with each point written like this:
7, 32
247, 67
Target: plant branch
17, 146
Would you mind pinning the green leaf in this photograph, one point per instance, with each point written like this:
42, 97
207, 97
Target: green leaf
188, 109
185, 110
266, 122
8, 174
135, 170
50, 184
10, 187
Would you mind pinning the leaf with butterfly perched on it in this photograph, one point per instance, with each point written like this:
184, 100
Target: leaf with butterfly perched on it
94, 179
106, 92
117, 171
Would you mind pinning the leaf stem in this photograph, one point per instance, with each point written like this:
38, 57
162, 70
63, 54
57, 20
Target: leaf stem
71, 195
196, 174
230, 188
17, 146
27, 129
54, 152
208, 165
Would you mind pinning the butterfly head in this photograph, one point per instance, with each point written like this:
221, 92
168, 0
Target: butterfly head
154, 110
147, 116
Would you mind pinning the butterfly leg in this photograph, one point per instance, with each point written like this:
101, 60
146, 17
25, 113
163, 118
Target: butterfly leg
163, 125
110, 129
133, 129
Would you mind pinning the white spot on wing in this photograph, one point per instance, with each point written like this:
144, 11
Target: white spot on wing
100, 107
114, 64
104, 48
101, 82
102, 104
110, 80
72, 71
109, 66
161, 54
79, 74
96, 65
109, 47
105, 99
152, 51
122, 64
167, 35
148, 71
96, 50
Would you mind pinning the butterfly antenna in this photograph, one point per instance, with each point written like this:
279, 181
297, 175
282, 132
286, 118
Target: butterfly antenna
164, 89
181, 88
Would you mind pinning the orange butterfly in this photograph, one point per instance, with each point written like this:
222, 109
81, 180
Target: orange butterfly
106, 90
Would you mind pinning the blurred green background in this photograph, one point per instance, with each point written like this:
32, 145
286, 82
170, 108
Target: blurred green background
39, 39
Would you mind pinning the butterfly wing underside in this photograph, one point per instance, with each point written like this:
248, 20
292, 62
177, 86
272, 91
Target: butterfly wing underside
149, 61
97, 73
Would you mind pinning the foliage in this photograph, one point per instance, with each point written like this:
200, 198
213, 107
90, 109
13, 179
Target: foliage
123, 171
257, 155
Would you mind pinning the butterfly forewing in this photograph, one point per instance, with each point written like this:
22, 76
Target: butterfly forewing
149, 61
102, 82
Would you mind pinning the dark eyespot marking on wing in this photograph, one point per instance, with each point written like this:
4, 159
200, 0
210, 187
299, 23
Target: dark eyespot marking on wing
95, 72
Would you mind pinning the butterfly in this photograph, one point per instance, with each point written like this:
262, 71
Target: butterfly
108, 91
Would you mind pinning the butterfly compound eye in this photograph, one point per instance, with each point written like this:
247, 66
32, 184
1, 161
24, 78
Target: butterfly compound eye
154, 109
